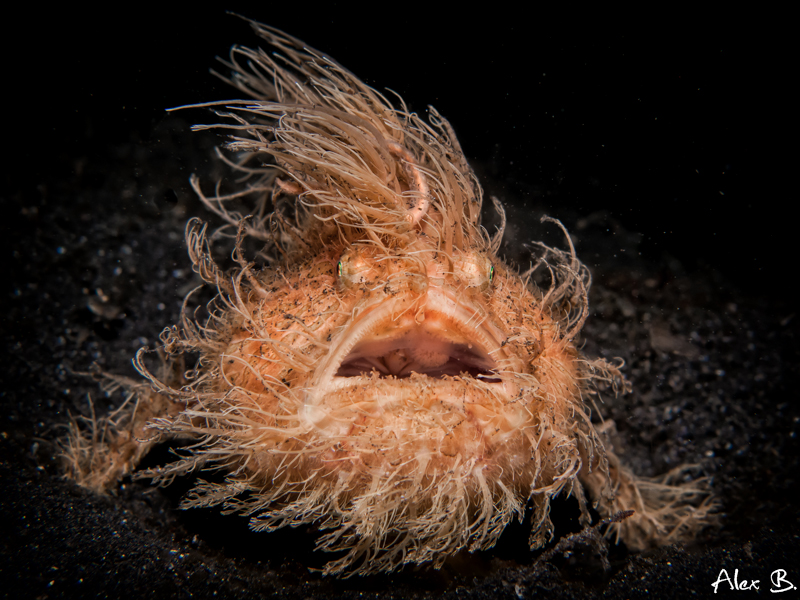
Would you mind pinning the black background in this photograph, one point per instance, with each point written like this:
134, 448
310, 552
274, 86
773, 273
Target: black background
680, 129
677, 130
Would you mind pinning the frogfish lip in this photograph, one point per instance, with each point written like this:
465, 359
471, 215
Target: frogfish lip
435, 336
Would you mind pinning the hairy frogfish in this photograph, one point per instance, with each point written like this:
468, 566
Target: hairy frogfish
376, 369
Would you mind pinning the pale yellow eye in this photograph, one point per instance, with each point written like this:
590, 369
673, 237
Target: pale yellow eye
474, 269
355, 268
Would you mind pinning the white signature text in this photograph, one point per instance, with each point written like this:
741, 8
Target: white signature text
777, 579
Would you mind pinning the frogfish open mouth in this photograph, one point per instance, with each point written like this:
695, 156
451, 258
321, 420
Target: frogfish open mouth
380, 373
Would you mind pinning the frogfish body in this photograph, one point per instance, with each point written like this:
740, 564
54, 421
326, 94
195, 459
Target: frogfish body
383, 374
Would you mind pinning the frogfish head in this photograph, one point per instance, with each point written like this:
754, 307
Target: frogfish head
409, 399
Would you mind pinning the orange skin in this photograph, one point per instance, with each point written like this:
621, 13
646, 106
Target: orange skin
477, 443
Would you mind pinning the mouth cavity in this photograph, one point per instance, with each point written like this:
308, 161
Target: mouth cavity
418, 351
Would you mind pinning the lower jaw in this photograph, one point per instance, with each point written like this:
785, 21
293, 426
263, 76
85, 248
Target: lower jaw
415, 416
347, 397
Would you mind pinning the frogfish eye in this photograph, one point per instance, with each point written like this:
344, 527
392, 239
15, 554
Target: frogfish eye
474, 269
356, 267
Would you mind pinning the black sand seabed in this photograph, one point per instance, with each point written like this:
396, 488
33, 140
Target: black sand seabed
687, 289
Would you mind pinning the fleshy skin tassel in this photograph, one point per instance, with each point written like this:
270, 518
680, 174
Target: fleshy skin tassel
384, 375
